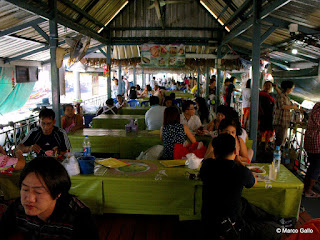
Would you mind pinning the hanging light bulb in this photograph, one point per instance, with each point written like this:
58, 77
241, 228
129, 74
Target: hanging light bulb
294, 51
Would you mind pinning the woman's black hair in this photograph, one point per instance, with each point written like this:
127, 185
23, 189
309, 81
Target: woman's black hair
171, 116
53, 174
226, 123
64, 107
248, 84
286, 85
223, 145
203, 110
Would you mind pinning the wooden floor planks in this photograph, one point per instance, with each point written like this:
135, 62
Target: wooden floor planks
149, 227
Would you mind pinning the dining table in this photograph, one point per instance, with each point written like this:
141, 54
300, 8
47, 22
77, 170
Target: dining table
133, 110
149, 187
118, 141
115, 141
107, 121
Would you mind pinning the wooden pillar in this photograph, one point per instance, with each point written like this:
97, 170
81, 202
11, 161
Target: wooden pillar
109, 76
254, 107
55, 85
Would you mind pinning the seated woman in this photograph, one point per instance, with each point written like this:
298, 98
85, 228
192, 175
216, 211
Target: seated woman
8, 163
120, 102
222, 113
71, 121
109, 109
147, 92
173, 132
231, 127
202, 110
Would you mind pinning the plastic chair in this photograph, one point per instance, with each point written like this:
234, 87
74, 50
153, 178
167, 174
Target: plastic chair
145, 104
133, 103
178, 102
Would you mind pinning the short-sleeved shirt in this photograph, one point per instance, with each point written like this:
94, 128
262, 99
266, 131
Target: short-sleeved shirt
154, 117
246, 94
282, 116
223, 182
194, 122
58, 137
312, 135
172, 134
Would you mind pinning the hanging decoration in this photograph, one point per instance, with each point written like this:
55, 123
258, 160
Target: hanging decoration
13, 80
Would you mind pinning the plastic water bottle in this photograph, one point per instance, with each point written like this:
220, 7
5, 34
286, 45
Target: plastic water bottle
277, 158
86, 146
286, 155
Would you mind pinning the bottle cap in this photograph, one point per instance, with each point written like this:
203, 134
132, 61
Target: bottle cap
277, 147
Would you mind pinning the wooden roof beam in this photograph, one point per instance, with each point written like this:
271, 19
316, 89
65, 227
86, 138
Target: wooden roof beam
81, 12
62, 19
21, 26
242, 27
160, 13
238, 12
285, 24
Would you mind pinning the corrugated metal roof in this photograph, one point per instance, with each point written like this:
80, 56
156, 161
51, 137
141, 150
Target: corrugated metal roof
139, 22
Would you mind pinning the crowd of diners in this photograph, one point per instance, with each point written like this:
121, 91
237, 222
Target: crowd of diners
46, 209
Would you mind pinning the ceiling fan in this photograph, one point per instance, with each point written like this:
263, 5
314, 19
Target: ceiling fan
163, 2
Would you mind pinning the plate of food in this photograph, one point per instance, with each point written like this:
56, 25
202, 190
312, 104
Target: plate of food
257, 170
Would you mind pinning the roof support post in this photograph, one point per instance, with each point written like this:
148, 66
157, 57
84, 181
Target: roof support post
198, 82
254, 107
134, 76
207, 82
219, 79
109, 67
143, 78
120, 80
55, 88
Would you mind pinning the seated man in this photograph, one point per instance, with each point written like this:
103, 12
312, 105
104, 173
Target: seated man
45, 209
109, 109
70, 121
188, 116
154, 116
46, 137
120, 102
224, 212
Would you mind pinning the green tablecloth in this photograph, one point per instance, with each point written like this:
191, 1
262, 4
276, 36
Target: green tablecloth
156, 189
128, 145
281, 197
116, 121
133, 110
180, 94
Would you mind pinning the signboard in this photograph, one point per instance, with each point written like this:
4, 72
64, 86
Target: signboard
155, 55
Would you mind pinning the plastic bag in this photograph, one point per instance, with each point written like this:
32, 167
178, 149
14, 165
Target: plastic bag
71, 165
153, 153
180, 151
193, 162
